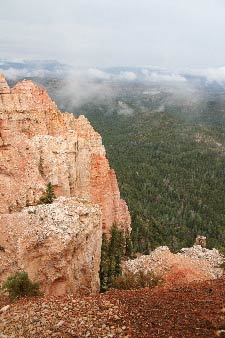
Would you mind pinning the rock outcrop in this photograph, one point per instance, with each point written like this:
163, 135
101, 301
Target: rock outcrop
57, 244
39, 144
191, 264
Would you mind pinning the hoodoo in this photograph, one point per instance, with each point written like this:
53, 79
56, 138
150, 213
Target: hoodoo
38, 145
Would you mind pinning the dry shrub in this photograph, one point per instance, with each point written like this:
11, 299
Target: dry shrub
19, 285
136, 280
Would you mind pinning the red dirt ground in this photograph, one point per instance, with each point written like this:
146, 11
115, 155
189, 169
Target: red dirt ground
195, 310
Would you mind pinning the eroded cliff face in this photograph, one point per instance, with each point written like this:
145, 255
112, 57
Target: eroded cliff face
58, 244
39, 144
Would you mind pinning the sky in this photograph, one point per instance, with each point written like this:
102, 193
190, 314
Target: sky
171, 34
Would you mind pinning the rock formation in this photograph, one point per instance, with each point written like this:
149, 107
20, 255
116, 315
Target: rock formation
201, 240
191, 264
39, 144
58, 244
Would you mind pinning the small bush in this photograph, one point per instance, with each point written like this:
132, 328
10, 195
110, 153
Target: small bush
48, 196
137, 280
2, 248
19, 285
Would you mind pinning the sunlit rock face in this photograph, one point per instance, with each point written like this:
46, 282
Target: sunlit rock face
39, 144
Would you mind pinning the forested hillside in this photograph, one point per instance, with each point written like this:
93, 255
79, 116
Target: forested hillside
171, 173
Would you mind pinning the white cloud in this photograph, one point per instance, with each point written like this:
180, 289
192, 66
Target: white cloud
126, 76
13, 73
162, 77
83, 86
124, 109
96, 73
211, 74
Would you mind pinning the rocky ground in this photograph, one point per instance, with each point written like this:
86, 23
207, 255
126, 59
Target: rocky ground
196, 310
191, 264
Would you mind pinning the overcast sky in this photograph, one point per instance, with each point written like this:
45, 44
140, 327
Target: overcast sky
172, 34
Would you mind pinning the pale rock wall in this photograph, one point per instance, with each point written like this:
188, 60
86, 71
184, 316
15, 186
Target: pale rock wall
57, 244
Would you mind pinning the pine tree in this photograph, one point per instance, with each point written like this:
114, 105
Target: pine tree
128, 245
112, 253
104, 265
49, 195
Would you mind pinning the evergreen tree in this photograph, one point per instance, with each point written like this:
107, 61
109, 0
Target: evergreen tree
128, 245
49, 195
112, 252
104, 265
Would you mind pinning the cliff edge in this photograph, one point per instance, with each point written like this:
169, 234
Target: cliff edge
39, 144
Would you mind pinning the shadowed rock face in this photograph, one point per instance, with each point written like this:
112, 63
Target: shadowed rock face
39, 144
58, 244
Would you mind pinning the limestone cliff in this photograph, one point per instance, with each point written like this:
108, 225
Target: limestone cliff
39, 144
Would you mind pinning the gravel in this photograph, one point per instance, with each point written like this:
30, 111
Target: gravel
195, 310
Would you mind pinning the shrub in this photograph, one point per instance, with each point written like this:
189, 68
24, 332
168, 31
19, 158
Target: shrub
48, 196
136, 280
19, 285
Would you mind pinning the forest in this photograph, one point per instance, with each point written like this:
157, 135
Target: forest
171, 172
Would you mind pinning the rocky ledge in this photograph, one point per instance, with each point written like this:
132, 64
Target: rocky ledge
57, 244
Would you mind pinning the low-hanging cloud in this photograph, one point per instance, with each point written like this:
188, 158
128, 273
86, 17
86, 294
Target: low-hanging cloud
84, 86
93, 85
211, 74
126, 76
162, 77
12, 73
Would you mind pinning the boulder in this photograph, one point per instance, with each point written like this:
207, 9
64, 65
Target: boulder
57, 244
